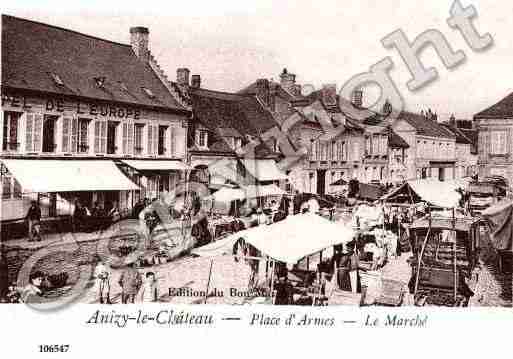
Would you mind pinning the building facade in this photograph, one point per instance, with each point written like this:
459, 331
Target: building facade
95, 110
495, 133
432, 147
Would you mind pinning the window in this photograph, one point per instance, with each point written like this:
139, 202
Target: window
498, 142
128, 138
152, 139
111, 137
334, 152
10, 187
49, 143
69, 134
56, 78
138, 140
100, 137
83, 138
368, 146
10, 135
33, 131
313, 152
162, 140
173, 140
202, 139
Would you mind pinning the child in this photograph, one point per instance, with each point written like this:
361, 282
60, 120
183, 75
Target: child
32, 293
149, 290
102, 275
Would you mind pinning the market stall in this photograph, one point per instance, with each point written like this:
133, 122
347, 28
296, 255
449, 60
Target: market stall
442, 194
500, 218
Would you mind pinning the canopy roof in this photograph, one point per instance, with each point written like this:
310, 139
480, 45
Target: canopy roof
160, 165
289, 240
500, 218
253, 191
437, 193
264, 170
68, 175
339, 182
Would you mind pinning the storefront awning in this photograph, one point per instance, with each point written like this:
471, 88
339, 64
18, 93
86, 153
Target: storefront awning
159, 165
68, 175
264, 170
252, 191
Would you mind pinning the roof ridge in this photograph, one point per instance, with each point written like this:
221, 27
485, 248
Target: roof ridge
225, 92
66, 30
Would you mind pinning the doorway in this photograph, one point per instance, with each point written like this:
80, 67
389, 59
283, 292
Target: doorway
321, 181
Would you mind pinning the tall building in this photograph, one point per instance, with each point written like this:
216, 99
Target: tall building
495, 143
85, 118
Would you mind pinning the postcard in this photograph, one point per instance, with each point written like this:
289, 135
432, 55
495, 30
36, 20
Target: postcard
250, 168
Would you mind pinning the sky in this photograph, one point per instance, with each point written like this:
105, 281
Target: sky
232, 43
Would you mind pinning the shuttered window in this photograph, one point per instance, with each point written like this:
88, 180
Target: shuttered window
153, 134
128, 138
33, 132
70, 134
172, 139
499, 142
100, 137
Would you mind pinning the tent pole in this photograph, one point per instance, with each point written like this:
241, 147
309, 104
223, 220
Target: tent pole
272, 262
208, 282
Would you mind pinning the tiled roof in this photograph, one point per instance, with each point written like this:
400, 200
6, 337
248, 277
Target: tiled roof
280, 91
32, 52
460, 136
502, 109
394, 140
424, 126
242, 113
343, 106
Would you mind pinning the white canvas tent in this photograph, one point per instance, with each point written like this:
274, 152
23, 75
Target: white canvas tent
438, 193
253, 191
288, 241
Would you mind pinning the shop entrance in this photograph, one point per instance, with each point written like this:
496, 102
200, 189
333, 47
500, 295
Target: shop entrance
321, 181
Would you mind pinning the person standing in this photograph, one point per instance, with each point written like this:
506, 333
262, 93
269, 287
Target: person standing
32, 293
149, 290
102, 274
34, 221
4, 274
130, 283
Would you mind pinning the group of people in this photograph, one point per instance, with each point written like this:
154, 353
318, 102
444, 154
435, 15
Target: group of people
134, 288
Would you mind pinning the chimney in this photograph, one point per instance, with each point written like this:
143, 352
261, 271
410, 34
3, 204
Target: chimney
387, 108
139, 39
329, 95
263, 91
452, 121
358, 98
196, 81
288, 80
182, 76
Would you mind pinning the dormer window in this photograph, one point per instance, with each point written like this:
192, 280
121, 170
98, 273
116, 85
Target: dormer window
100, 81
123, 86
56, 79
148, 92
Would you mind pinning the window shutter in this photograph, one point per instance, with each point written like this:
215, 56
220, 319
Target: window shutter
66, 124
150, 139
172, 137
125, 138
97, 132
155, 139
38, 131
74, 135
29, 131
103, 137
130, 141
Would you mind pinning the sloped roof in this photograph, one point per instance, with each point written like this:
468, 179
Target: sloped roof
424, 126
243, 113
280, 91
394, 140
32, 52
472, 136
460, 136
502, 109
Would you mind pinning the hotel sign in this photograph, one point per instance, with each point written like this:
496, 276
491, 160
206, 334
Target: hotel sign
58, 104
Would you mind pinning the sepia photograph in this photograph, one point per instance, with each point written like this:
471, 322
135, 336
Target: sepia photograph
308, 155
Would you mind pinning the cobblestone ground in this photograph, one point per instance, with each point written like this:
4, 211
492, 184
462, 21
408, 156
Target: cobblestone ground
493, 288
191, 274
